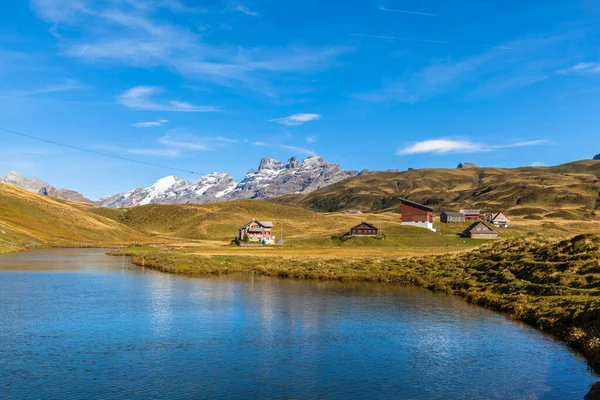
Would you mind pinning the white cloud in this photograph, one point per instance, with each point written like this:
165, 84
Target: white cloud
139, 98
539, 164
66, 86
311, 139
156, 152
445, 146
282, 146
184, 140
296, 119
150, 152
151, 124
441, 146
130, 33
582, 69
297, 149
239, 7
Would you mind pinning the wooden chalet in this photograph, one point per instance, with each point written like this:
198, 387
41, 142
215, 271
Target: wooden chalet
471, 215
257, 231
364, 229
499, 220
415, 214
480, 230
452, 217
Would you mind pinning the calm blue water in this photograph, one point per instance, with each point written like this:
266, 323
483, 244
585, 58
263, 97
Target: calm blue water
76, 324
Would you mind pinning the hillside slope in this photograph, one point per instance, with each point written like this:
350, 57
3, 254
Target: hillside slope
220, 221
32, 220
570, 191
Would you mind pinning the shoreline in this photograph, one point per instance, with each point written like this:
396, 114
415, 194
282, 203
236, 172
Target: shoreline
561, 311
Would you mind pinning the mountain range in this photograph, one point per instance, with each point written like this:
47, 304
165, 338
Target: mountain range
272, 178
41, 187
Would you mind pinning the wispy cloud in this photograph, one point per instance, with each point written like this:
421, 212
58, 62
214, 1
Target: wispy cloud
139, 98
311, 139
296, 149
185, 140
239, 7
408, 12
188, 145
430, 41
66, 86
129, 33
151, 124
154, 152
538, 164
491, 73
582, 69
446, 146
296, 119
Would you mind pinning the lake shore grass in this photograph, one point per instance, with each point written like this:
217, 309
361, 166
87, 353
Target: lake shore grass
553, 286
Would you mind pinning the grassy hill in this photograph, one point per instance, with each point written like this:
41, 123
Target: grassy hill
570, 191
220, 221
32, 220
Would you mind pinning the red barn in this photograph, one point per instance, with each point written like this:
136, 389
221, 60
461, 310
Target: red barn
415, 214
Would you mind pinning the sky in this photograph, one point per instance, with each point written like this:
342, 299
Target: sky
216, 85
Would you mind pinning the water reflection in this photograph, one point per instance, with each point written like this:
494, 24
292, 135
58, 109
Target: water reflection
78, 324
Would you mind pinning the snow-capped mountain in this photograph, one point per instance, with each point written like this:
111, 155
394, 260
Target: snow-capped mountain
273, 178
38, 186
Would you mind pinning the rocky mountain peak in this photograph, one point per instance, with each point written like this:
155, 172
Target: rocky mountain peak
40, 187
268, 163
467, 165
273, 178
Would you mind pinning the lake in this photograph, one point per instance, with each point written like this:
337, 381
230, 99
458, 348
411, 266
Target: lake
77, 324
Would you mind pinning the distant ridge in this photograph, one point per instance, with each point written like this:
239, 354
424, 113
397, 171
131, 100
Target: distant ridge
38, 186
569, 191
597, 157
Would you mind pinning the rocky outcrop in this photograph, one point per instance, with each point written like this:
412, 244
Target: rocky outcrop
273, 178
38, 186
467, 165
594, 393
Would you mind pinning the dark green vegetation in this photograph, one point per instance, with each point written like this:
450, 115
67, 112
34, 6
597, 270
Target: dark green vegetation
554, 286
570, 191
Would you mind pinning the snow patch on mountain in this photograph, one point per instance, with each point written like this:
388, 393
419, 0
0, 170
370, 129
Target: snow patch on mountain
273, 178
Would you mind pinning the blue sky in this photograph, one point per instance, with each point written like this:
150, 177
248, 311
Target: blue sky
216, 85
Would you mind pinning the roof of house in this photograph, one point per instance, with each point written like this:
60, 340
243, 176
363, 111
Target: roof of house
364, 223
475, 224
498, 216
416, 205
453, 214
471, 212
266, 224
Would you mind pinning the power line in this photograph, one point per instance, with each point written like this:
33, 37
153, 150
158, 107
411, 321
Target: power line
99, 153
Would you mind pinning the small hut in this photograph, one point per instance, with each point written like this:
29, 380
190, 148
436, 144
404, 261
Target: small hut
472, 215
499, 220
364, 229
480, 230
452, 217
